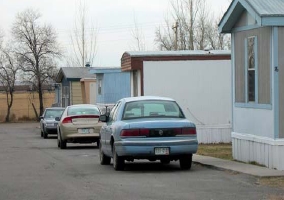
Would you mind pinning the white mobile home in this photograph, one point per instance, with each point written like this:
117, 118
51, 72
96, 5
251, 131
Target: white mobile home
200, 81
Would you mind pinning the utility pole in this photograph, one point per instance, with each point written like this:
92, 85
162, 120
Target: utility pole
175, 28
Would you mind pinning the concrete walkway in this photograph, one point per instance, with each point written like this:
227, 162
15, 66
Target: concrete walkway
250, 169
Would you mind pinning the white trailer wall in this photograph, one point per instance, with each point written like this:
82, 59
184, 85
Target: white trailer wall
203, 90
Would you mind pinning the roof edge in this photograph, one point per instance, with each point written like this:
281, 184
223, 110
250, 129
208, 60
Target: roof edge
233, 13
181, 53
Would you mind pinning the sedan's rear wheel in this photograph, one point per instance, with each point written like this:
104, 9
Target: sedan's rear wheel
118, 161
185, 162
104, 160
58, 140
62, 143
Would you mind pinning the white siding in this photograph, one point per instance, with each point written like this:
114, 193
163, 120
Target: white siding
262, 150
213, 134
257, 122
202, 89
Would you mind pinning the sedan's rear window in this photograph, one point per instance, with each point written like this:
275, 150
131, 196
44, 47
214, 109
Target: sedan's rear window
153, 108
83, 111
53, 113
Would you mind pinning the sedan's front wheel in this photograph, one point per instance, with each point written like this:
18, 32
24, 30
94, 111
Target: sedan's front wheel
185, 161
118, 161
45, 134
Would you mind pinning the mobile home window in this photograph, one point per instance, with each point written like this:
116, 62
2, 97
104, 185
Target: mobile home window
65, 96
251, 69
100, 87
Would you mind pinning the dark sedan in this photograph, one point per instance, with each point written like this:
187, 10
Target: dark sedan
48, 124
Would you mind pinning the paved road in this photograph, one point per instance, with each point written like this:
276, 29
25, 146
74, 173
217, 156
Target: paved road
32, 168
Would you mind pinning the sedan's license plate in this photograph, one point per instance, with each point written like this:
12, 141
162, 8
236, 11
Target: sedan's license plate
84, 130
162, 151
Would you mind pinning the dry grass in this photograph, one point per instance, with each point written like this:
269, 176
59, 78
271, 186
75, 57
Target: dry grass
222, 151
273, 181
275, 197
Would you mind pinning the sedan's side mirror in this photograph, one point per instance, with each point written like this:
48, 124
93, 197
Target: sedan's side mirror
103, 118
57, 119
41, 117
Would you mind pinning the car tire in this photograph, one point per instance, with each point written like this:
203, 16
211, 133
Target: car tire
165, 161
45, 134
104, 160
58, 140
62, 143
118, 161
185, 162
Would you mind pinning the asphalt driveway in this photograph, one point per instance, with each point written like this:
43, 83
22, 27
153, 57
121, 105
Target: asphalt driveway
34, 168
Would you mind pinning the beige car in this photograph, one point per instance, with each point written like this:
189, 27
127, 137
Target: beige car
79, 124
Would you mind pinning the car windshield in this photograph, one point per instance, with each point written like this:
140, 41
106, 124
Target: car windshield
53, 113
83, 111
152, 108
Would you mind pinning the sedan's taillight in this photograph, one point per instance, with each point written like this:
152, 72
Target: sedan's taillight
188, 131
134, 132
67, 120
185, 131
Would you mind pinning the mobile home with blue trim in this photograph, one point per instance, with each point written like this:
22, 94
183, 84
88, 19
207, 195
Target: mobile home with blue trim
257, 29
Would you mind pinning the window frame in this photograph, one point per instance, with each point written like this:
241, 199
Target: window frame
113, 113
65, 96
248, 69
251, 104
100, 87
181, 114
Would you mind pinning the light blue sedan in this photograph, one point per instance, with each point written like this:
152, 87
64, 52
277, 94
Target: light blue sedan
152, 128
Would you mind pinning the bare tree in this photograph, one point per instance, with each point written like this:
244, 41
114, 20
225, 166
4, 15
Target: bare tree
201, 26
194, 27
184, 13
216, 39
83, 38
8, 71
37, 49
165, 37
138, 37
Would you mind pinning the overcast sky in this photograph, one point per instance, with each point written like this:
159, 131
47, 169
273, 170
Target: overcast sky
114, 20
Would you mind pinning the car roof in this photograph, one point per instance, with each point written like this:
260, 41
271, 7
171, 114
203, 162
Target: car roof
129, 99
83, 105
54, 108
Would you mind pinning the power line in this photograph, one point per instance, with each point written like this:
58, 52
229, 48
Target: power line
112, 30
